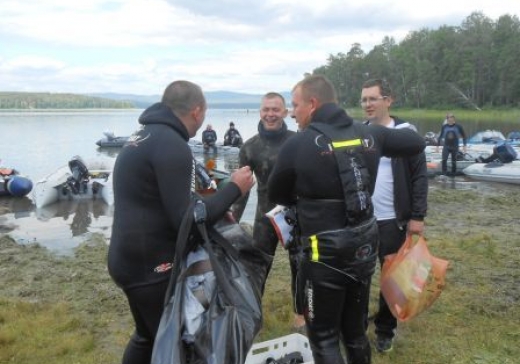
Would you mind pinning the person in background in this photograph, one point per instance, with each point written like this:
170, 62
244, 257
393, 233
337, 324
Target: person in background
328, 173
232, 136
400, 197
260, 153
449, 138
149, 210
209, 139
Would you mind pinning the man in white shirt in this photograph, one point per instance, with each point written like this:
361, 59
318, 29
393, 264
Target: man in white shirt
400, 197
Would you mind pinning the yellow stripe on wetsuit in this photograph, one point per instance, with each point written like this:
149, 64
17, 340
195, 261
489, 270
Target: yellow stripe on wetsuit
347, 143
314, 248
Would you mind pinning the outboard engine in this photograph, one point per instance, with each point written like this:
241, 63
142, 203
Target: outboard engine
79, 179
430, 138
109, 134
202, 176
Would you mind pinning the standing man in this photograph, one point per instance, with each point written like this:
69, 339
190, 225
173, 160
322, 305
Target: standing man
449, 136
328, 173
209, 139
149, 209
400, 196
260, 153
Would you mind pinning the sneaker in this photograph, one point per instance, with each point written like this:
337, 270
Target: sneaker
384, 344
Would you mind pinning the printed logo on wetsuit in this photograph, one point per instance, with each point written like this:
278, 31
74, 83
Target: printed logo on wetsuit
164, 267
364, 252
368, 144
135, 140
310, 301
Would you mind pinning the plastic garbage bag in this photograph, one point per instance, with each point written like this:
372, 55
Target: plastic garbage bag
412, 279
225, 330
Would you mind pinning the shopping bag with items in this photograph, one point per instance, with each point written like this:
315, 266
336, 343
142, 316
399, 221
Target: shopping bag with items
412, 279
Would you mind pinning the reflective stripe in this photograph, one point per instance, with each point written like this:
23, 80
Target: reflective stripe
346, 143
314, 248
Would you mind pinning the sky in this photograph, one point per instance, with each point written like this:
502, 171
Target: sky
140, 46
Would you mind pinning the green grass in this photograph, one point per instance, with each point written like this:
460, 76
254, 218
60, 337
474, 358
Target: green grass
67, 310
499, 116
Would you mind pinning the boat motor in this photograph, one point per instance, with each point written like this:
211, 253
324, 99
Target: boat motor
430, 138
78, 182
202, 176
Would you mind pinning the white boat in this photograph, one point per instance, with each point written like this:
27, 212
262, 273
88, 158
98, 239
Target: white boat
487, 137
112, 141
473, 150
78, 179
495, 172
198, 148
434, 166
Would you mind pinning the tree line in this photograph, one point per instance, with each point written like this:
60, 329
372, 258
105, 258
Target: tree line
474, 65
46, 100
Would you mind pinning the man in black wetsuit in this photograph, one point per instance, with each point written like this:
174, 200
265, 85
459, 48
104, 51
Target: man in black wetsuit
449, 136
328, 172
153, 182
232, 137
260, 153
209, 139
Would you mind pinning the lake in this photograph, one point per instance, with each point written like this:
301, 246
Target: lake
38, 142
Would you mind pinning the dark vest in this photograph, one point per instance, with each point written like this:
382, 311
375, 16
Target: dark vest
348, 145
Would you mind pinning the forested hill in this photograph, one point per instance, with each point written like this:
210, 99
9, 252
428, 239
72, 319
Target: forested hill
46, 100
474, 65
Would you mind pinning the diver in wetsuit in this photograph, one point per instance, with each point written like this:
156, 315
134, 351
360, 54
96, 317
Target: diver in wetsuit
153, 185
335, 214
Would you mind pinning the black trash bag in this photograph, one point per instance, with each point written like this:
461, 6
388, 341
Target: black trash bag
233, 316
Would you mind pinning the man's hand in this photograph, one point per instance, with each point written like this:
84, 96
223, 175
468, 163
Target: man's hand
243, 178
415, 227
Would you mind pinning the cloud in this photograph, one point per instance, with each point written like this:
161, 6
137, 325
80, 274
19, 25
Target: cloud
136, 46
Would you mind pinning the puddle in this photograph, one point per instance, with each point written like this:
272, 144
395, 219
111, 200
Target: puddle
59, 227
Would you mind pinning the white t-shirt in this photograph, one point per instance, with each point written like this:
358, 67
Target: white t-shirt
383, 197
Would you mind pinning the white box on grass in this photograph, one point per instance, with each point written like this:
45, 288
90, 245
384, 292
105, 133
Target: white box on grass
278, 348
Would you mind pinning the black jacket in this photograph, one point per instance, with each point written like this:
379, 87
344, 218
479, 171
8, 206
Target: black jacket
410, 185
152, 184
307, 170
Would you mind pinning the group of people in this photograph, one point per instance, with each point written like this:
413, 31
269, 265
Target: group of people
356, 189
232, 138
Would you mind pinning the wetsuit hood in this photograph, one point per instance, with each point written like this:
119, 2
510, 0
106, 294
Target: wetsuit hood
330, 113
272, 134
159, 113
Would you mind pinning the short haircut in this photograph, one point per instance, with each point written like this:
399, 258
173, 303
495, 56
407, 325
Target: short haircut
274, 95
384, 86
183, 96
319, 87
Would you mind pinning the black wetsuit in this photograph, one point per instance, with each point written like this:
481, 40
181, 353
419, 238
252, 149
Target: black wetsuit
209, 140
450, 135
233, 138
260, 153
306, 175
152, 184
